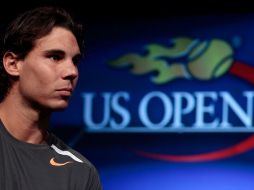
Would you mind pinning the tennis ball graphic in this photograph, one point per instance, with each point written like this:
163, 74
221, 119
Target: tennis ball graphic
185, 58
210, 59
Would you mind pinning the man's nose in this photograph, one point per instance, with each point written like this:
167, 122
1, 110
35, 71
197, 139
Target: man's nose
70, 71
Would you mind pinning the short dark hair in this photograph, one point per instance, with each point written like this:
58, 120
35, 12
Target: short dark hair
22, 33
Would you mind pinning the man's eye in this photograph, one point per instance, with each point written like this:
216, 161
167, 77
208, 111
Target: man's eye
55, 57
76, 60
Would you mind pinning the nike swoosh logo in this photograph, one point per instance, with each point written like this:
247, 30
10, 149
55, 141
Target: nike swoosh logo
54, 163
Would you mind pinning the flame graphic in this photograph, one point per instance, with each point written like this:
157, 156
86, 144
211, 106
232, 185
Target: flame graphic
187, 58
190, 59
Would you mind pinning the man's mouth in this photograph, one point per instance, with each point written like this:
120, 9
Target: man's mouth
65, 91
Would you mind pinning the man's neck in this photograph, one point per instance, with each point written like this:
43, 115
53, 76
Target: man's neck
23, 122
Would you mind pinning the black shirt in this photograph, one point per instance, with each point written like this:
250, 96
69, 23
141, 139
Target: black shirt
49, 166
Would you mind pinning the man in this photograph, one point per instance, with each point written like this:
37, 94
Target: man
41, 50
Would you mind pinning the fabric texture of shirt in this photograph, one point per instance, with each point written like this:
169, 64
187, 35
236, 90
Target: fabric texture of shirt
49, 166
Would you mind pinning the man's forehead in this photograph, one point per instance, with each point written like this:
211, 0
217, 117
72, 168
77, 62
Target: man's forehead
59, 39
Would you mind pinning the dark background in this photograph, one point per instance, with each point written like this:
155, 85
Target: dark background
90, 12
104, 11
131, 8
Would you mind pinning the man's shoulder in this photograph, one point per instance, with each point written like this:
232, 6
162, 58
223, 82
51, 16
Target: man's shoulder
84, 168
63, 149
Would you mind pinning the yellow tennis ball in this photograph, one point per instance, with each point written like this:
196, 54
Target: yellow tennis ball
210, 59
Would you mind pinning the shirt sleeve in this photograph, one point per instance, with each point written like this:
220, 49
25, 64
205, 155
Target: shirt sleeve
94, 182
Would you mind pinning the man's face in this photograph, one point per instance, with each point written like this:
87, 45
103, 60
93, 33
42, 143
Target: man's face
49, 72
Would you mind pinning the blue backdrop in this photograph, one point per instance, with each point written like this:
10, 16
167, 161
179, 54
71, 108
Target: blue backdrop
185, 124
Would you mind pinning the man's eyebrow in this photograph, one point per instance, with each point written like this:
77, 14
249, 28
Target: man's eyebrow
54, 51
59, 52
77, 56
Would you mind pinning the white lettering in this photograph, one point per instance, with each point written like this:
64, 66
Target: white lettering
201, 109
167, 110
229, 101
179, 110
88, 110
198, 111
124, 113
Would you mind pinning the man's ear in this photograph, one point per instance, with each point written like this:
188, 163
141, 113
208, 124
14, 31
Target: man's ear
11, 63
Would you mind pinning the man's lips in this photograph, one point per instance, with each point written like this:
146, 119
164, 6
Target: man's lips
65, 91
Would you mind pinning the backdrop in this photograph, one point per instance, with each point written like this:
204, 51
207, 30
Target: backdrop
165, 103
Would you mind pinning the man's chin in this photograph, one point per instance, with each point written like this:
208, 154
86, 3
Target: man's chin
59, 107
